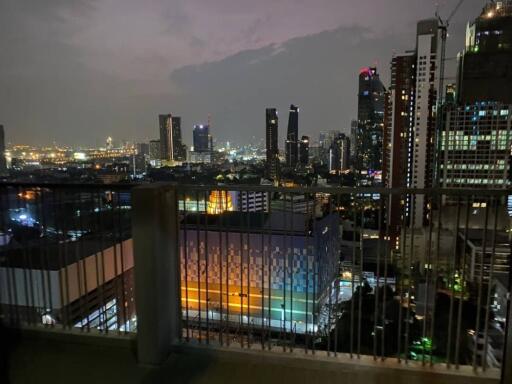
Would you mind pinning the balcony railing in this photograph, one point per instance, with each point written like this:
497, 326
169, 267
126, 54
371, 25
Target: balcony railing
66, 257
415, 277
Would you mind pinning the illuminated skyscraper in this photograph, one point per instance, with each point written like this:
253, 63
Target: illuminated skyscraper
304, 150
271, 130
202, 138
485, 70
370, 116
410, 122
339, 154
292, 138
399, 130
171, 146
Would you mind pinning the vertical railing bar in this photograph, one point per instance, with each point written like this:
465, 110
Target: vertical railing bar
269, 277
115, 281
185, 228
463, 277
451, 280
241, 293
66, 265
99, 283
402, 245
250, 321
376, 293
489, 284
17, 307
174, 193
361, 283
207, 290
336, 279
121, 252
56, 209
409, 295
83, 261
47, 253
384, 298
262, 218
221, 260
354, 226
428, 276
100, 223
76, 245
43, 265
285, 265
292, 269
198, 235
436, 271
307, 244
26, 258
315, 282
12, 299
228, 321
480, 287
329, 303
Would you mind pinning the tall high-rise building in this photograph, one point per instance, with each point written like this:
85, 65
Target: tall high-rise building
271, 130
154, 150
370, 121
339, 154
411, 119
304, 150
421, 162
475, 146
485, 69
202, 139
292, 138
171, 145
3, 163
142, 148
399, 129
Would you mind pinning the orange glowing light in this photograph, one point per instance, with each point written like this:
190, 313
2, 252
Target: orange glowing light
219, 202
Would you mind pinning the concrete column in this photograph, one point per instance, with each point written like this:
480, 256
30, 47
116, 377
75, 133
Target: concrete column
157, 271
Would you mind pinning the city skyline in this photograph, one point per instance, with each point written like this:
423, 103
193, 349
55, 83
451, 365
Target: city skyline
376, 37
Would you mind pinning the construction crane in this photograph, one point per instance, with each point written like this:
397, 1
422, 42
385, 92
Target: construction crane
443, 28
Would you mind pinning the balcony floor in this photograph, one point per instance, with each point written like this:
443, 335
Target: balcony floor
96, 359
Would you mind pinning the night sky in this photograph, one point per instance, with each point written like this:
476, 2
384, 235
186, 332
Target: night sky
77, 71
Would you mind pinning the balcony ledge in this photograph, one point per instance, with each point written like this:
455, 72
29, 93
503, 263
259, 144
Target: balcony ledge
63, 357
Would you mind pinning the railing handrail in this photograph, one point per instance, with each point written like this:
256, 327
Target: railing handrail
342, 190
270, 188
71, 185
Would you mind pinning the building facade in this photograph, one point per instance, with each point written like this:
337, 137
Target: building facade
292, 138
171, 145
485, 69
411, 120
475, 146
202, 138
272, 149
370, 118
304, 151
235, 265
339, 154
154, 152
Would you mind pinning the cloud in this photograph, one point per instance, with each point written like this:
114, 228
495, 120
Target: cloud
78, 71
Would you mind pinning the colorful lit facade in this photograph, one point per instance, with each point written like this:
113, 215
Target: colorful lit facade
280, 276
